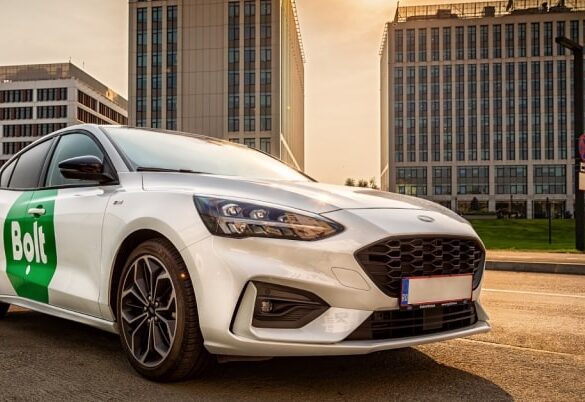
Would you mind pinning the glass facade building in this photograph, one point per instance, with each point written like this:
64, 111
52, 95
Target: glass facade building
477, 105
232, 69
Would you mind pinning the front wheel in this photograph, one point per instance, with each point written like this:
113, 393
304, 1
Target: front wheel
4, 309
157, 315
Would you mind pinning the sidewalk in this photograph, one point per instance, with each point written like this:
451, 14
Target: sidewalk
521, 261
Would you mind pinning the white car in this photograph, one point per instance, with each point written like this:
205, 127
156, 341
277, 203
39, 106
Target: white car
192, 248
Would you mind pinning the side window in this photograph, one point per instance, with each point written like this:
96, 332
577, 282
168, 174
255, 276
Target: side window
29, 166
70, 146
6, 173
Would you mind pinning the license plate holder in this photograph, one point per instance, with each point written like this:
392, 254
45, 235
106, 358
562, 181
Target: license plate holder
429, 291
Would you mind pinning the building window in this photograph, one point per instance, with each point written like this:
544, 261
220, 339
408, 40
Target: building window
412, 181
550, 179
410, 45
50, 94
265, 8
265, 145
265, 77
265, 54
52, 112
535, 28
484, 41
250, 142
459, 43
249, 78
422, 44
510, 40
234, 9
446, 43
249, 123
442, 180
265, 123
249, 55
548, 39
249, 32
234, 58
435, 44
265, 31
473, 180
575, 31
522, 40
560, 32
249, 9
497, 51
471, 41
398, 46
233, 124
511, 180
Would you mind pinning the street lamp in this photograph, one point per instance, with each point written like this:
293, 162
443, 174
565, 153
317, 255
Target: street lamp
577, 50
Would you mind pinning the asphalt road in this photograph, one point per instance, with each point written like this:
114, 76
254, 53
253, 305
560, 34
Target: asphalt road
536, 351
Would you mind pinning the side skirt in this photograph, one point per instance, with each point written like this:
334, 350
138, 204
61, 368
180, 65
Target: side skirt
104, 325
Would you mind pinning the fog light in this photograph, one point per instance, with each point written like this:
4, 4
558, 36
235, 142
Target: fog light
283, 307
266, 306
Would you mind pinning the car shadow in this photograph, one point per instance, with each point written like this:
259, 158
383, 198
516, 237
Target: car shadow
91, 364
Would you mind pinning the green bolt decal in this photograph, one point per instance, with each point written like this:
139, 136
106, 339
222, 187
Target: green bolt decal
30, 246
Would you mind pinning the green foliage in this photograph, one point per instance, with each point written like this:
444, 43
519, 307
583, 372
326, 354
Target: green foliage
362, 183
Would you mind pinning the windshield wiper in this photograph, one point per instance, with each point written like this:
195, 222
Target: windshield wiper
156, 169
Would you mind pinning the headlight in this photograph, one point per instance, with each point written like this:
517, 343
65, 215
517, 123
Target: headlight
234, 218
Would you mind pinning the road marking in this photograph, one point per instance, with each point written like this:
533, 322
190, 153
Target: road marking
535, 293
524, 348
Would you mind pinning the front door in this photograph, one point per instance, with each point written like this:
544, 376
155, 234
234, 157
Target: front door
76, 208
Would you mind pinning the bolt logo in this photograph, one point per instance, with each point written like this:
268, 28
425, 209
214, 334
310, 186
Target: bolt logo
29, 245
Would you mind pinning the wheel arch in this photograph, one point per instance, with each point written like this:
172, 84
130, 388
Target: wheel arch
126, 247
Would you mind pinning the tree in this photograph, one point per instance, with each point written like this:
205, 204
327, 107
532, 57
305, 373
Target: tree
474, 204
373, 184
350, 182
362, 183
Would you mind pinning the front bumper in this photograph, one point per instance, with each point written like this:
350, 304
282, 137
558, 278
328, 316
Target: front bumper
222, 271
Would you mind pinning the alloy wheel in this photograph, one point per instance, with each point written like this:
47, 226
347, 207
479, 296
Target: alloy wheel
148, 311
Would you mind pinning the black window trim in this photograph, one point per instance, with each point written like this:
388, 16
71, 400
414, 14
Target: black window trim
4, 167
107, 162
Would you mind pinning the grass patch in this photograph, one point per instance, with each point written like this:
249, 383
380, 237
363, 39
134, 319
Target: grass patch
526, 234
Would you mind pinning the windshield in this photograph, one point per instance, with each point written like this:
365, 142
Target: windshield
148, 150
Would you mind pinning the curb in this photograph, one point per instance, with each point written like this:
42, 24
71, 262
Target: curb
538, 267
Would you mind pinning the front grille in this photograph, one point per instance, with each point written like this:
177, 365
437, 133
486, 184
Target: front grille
388, 261
406, 323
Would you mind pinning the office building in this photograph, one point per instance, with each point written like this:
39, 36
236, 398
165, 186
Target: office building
477, 109
228, 69
38, 99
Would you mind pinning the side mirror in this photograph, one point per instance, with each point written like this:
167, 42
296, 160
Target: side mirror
86, 167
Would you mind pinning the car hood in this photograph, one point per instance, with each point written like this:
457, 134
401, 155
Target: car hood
308, 196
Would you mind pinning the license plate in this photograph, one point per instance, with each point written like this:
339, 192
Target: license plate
435, 290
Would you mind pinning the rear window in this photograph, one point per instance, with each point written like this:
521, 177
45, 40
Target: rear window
29, 165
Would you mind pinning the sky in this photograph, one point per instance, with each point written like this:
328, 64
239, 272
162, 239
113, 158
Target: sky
341, 39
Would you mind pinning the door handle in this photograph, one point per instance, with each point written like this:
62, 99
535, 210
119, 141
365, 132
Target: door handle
39, 211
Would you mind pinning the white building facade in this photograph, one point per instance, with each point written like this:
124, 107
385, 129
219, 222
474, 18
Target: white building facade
36, 100
477, 109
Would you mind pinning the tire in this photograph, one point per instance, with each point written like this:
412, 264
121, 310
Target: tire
4, 310
154, 348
